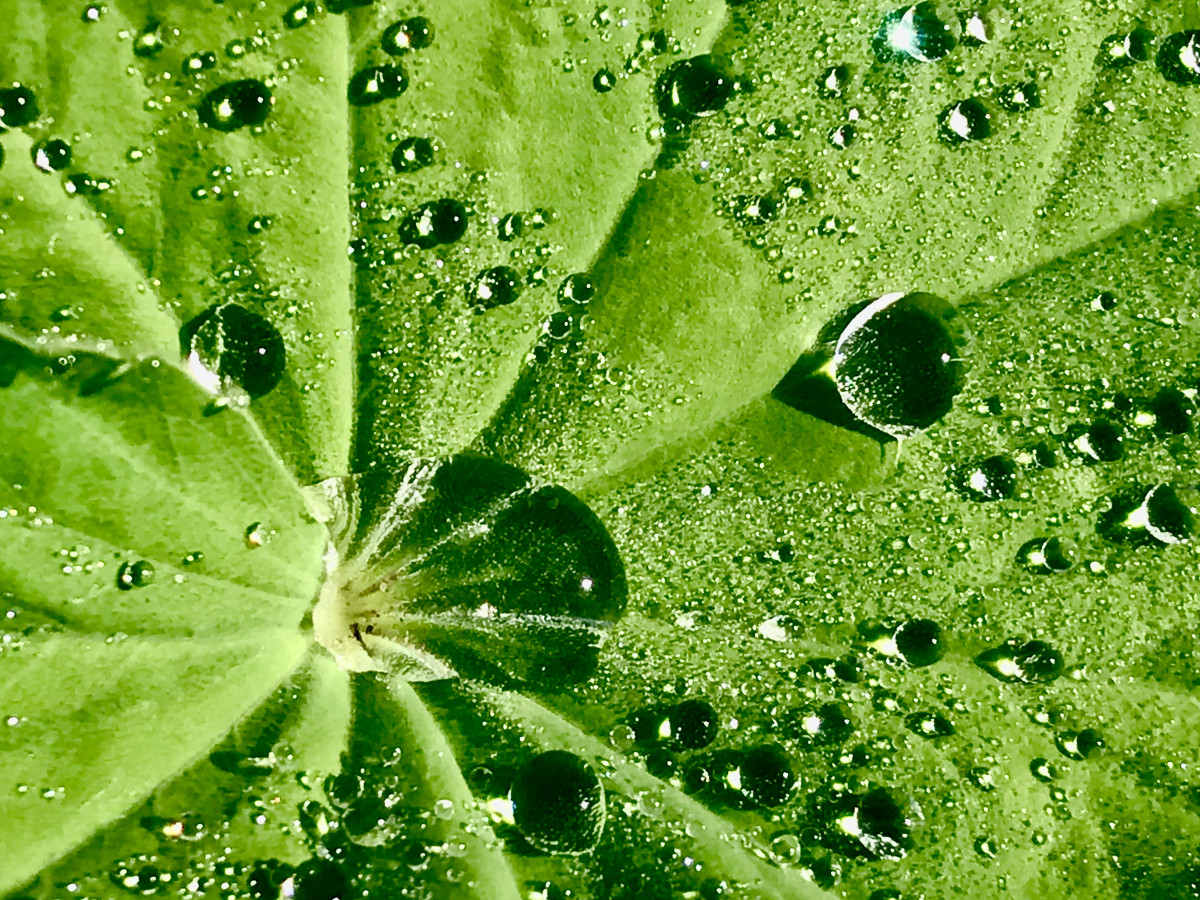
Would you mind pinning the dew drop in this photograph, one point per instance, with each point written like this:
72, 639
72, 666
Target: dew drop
18, 107
604, 81
320, 879
1043, 556
1119, 50
826, 726
135, 575
498, 286
300, 14
895, 364
236, 104
870, 825
1102, 441
374, 84
1179, 58
834, 82
919, 642
412, 154
1043, 770
990, 479
558, 803
510, 227
842, 136
229, 345
52, 155
964, 122
407, 35
692, 88
1079, 745
1158, 514
576, 289
198, 62
1014, 662
436, 222
149, 43
929, 725
1019, 97
923, 32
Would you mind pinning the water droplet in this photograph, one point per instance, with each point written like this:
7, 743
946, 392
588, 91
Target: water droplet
498, 286
85, 185
412, 154
52, 155
919, 642
798, 190
1118, 50
689, 725
1104, 302
1043, 556
236, 104
576, 290
227, 345
965, 121
259, 224
194, 557
1179, 59
834, 82
1154, 515
1102, 441
604, 81
135, 575
300, 14
895, 364
923, 32
436, 222
1018, 97
977, 29
319, 879
826, 726
761, 776
558, 803
1172, 411
994, 478
510, 227
199, 62
1031, 662
692, 88
1043, 770
929, 724
1079, 745
868, 825
756, 210
842, 136
18, 107
149, 43
407, 35
375, 84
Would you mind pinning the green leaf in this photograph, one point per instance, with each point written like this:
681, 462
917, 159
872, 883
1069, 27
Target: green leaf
191, 735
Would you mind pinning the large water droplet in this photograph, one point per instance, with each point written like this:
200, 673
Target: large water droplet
436, 222
412, 154
18, 107
1179, 58
407, 35
965, 121
1154, 515
868, 825
236, 104
576, 290
919, 642
923, 32
558, 803
227, 345
375, 84
135, 574
895, 365
320, 879
1031, 662
498, 286
990, 479
52, 155
300, 14
692, 88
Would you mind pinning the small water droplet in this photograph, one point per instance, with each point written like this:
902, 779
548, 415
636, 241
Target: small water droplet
1079, 745
1018, 97
149, 43
1043, 770
18, 107
576, 289
135, 575
1102, 441
319, 879
1031, 662
842, 136
558, 803
1178, 58
498, 286
375, 84
436, 222
412, 154
692, 88
604, 81
929, 724
300, 14
834, 82
198, 62
1043, 556
407, 35
52, 155
510, 227
236, 104
990, 479
1119, 50
919, 642
964, 122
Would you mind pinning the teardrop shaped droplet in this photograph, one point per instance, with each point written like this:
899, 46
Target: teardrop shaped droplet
558, 803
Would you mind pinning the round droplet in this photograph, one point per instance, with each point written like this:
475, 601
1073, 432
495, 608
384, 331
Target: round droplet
692, 88
826, 726
870, 825
229, 345
965, 121
798, 190
436, 222
1043, 556
576, 290
236, 104
53, 155
510, 227
1043, 770
18, 106
135, 575
994, 478
833, 82
895, 365
300, 14
755, 210
1079, 745
320, 879
1018, 97
1102, 441
1119, 50
1031, 662
1157, 515
1179, 58
1172, 411
923, 32
842, 136
767, 778
199, 62
604, 81
919, 642
693, 725
149, 43
412, 154
558, 803
498, 286
375, 84
929, 724
407, 35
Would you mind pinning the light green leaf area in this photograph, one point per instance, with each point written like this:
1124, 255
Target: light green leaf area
187, 737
